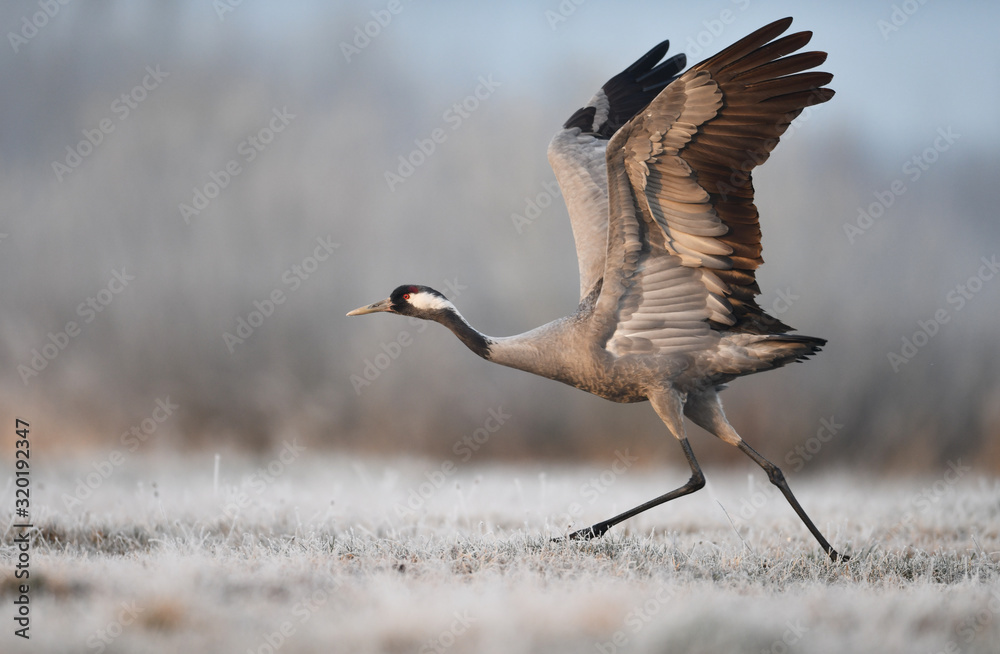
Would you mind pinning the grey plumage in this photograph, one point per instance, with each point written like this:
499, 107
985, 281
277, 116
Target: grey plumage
577, 152
655, 170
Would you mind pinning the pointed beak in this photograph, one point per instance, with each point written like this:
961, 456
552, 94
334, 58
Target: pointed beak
381, 305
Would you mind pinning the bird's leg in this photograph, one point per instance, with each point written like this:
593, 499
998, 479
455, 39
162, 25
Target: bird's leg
777, 478
696, 482
705, 410
669, 405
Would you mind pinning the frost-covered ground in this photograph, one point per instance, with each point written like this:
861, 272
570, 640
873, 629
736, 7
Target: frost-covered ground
318, 553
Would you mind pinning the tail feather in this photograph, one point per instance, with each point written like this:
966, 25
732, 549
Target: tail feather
787, 348
744, 354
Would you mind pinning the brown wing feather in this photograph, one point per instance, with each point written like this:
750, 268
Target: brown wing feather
683, 231
691, 152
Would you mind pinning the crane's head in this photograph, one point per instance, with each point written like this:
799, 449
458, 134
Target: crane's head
410, 300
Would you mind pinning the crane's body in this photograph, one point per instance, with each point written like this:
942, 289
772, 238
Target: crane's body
655, 171
564, 351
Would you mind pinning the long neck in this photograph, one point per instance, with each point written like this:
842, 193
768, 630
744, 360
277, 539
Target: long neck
474, 340
540, 351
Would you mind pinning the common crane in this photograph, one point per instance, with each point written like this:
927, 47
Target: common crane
655, 172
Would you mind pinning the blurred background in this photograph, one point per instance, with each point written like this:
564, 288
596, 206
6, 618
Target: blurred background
195, 193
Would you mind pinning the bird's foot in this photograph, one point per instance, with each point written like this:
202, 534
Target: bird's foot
588, 533
836, 557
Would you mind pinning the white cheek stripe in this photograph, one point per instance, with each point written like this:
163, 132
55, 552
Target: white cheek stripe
429, 301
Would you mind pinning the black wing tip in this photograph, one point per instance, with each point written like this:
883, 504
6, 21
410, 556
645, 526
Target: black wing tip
648, 60
634, 88
630, 90
669, 68
582, 118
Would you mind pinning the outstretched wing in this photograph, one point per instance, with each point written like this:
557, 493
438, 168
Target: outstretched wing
577, 153
684, 238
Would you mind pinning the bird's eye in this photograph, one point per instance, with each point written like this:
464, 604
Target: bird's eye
406, 296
